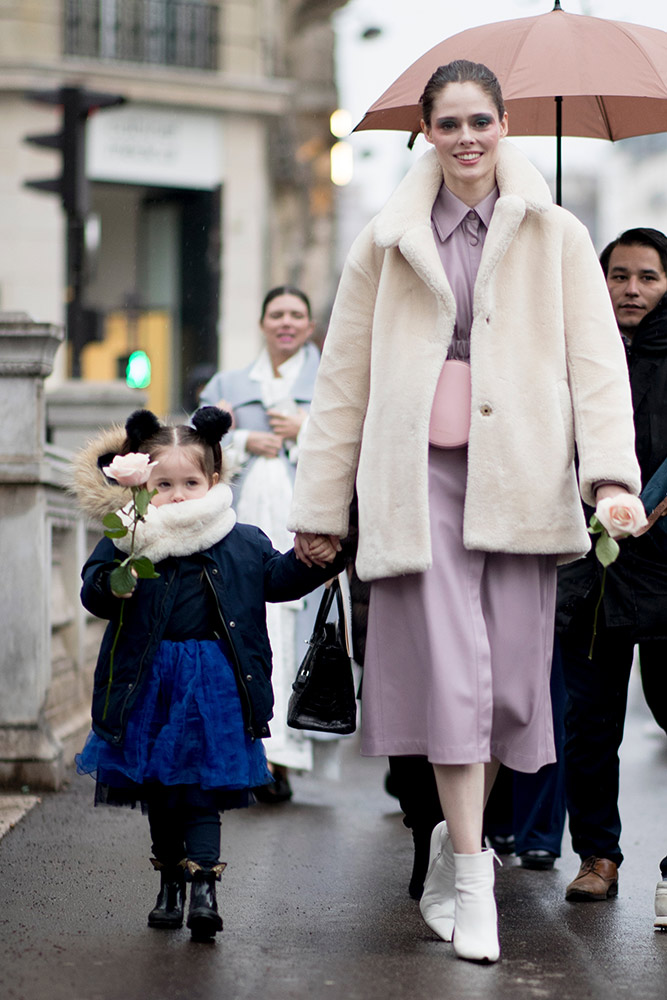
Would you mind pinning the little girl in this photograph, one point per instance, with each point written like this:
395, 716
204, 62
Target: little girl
182, 691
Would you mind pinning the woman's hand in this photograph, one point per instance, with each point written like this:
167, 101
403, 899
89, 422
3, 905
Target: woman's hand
319, 549
611, 490
263, 443
287, 425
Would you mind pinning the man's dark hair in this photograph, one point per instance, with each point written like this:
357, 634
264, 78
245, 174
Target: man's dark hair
637, 237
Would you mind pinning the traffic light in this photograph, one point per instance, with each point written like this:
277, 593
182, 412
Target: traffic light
138, 370
76, 103
72, 186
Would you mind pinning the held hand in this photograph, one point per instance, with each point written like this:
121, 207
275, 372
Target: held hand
287, 425
264, 443
323, 549
318, 549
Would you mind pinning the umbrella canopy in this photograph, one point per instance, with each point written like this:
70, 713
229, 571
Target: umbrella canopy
561, 74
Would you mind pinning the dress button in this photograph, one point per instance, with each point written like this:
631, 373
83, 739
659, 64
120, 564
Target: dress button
232, 624
472, 215
248, 677
215, 572
485, 410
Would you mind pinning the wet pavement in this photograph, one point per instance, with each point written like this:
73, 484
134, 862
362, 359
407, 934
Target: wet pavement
315, 904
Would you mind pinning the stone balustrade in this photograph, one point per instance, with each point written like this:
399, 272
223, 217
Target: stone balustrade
48, 642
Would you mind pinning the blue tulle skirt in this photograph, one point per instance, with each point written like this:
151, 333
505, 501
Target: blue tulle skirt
185, 729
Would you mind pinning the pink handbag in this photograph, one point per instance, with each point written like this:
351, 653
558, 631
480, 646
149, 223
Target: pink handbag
450, 413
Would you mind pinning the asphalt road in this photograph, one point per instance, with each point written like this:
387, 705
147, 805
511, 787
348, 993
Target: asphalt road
315, 904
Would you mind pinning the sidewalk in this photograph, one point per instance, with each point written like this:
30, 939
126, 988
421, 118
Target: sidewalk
315, 904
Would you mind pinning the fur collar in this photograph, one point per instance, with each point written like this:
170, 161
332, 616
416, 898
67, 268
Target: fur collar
522, 188
181, 529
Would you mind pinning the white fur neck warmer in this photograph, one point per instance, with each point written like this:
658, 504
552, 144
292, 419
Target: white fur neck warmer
181, 529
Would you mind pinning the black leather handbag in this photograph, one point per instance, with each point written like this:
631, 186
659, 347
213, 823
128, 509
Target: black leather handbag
323, 697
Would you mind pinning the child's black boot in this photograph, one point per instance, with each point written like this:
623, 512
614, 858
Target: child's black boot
204, 920
167, 914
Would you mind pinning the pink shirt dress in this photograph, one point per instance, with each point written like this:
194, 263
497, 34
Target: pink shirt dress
458, 658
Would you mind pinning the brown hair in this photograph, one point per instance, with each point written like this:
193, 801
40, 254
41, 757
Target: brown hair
461, 71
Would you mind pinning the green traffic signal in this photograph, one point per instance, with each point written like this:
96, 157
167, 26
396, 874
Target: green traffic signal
138, 370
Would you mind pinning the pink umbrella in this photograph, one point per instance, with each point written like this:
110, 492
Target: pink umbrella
562, 74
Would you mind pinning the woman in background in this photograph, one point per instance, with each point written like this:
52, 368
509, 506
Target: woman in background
269, 400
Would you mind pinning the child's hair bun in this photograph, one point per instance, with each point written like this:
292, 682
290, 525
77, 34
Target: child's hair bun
140, 426
211, 423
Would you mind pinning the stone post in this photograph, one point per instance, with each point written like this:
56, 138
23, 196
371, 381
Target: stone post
30, 753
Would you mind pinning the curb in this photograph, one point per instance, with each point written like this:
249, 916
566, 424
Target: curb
13, 808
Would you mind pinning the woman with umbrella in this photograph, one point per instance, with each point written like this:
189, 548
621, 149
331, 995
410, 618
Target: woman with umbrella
472, 345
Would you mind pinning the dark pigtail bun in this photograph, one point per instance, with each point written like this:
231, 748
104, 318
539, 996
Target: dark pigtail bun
140, 426
211, 424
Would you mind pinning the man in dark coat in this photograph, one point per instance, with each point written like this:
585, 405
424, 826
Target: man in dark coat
634, 607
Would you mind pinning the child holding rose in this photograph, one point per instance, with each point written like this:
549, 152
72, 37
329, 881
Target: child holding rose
182, 692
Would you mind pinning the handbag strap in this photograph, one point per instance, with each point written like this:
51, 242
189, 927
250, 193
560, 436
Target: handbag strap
326, 602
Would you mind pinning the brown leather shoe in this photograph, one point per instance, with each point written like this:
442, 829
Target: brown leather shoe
597, 879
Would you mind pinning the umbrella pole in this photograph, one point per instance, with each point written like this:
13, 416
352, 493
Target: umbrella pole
559, 133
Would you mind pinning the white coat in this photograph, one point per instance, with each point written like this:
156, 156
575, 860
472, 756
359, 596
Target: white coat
548, 372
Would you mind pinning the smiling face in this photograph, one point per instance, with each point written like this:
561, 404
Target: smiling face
178, 475
636, 281
286, 326
465, 131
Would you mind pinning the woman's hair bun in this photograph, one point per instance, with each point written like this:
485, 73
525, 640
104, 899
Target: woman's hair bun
140, 426
211, 423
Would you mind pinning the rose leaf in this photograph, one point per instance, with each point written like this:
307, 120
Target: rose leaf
142, 499
122, 581
606, 550
144, 568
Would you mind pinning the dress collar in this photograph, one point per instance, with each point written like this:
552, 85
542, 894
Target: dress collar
449, 211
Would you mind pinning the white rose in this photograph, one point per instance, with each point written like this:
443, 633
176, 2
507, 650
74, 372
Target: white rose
130, 470
621, 515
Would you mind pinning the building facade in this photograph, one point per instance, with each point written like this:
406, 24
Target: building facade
210, 184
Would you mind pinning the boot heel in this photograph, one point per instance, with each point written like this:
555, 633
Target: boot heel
437, 903
167, 914
476, 919
204, 921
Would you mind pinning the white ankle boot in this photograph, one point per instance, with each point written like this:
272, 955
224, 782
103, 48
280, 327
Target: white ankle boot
437, 901
660, 923
476, 919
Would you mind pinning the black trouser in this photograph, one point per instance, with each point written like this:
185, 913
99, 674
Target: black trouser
183, 825
417, 793
597, 694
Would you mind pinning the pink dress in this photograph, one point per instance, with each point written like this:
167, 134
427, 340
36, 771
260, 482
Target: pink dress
458, 658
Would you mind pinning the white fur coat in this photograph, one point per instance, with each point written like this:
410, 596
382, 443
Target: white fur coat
548, 370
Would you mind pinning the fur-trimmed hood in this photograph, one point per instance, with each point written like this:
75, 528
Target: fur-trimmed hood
177, 529
96, 495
